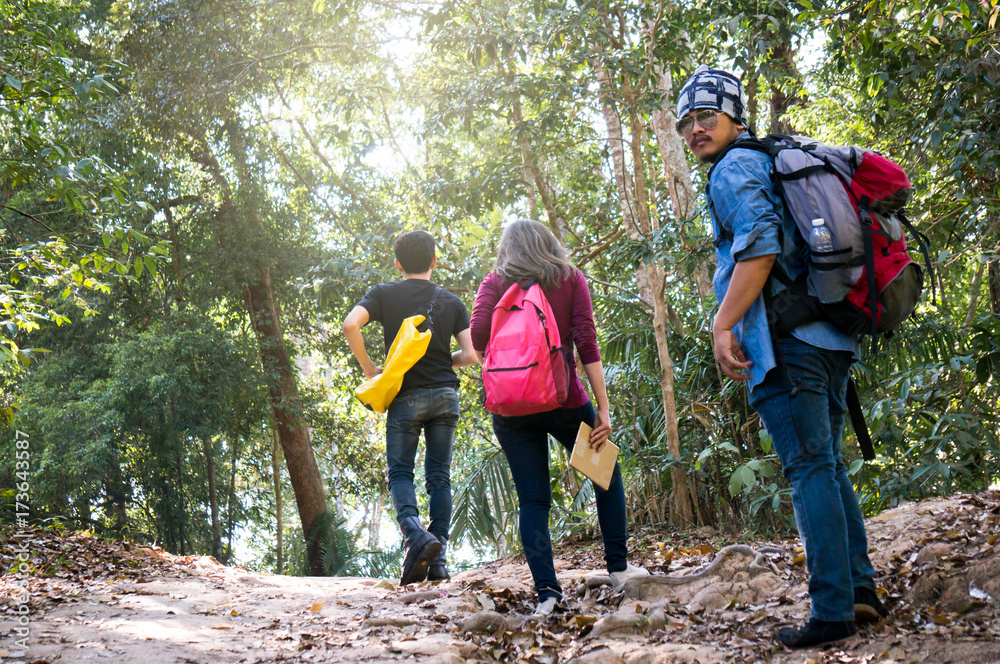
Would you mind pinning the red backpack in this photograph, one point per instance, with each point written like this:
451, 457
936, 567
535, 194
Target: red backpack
524, 369
863, 280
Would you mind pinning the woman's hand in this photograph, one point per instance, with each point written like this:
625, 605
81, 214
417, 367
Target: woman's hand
602, 430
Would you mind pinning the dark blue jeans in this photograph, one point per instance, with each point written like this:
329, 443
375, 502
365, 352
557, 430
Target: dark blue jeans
525, 444
435, 412
802, 405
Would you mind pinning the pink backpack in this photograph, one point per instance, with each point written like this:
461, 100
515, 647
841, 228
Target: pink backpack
524, 370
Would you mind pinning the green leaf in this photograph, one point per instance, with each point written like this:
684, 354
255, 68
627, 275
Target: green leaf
735, 484
704, 454
765, 441
856, 465
13, 82
742, 477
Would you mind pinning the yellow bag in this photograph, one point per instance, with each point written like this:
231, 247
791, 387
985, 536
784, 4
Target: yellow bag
409, 346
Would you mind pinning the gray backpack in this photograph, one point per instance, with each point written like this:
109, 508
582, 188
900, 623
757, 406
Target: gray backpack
860, 277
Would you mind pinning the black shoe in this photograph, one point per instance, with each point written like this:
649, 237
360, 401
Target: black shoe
421, 549
816, 633
867, 606
438, 569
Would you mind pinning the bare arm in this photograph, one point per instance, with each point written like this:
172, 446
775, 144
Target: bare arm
467, 355
749, 277
602, 425
355, 320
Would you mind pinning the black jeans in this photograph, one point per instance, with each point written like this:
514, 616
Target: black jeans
435, 412
525, 443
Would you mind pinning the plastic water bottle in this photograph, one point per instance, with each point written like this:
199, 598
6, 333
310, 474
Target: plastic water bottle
820, 239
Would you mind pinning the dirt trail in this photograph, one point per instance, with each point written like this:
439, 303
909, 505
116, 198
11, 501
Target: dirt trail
95, 601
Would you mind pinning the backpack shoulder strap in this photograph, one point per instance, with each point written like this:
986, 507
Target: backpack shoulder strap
428, 322
754, 143
768, 146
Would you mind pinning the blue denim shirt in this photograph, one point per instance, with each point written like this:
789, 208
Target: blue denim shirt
742, 201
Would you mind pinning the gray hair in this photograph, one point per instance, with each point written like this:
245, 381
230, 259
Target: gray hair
529, 250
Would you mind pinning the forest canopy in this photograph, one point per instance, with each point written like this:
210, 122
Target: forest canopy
194, 194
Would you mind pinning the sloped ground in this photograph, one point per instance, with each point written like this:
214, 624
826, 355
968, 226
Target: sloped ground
96, 601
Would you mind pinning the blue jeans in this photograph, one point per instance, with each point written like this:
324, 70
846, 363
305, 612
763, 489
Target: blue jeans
525, 444
435, 412
802, 405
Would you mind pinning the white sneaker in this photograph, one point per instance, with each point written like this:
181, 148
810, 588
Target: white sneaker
618, 579
547, 607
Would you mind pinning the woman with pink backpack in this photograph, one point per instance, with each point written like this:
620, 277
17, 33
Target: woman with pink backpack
529, 255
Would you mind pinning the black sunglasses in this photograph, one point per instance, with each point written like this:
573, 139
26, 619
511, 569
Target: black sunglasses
707, 118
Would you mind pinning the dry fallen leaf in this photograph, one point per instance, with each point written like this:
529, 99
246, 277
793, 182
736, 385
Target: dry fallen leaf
318, 605
222, 627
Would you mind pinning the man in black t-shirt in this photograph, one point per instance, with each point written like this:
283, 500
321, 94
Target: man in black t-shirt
427, 400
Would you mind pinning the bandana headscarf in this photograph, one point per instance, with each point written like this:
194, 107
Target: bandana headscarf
714, 88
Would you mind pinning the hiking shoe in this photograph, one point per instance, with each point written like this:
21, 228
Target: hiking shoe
547, 607
867, 606
618, 579
816, 633
438, 569
421, 547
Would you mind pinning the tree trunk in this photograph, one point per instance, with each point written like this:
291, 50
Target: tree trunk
676, 171
781, 99
213, 497
530, 173
278, 507
118, 491
303, 471
970, 311
176, 258
258, 295
994, 284
650, 276
234, 445
179, 467
376, 521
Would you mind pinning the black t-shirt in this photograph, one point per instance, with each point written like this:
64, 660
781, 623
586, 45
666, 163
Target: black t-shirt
390, 303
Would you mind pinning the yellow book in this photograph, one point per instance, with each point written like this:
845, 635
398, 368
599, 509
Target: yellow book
598, 466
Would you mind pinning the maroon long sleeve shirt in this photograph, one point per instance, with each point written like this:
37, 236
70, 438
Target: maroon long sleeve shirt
574, 314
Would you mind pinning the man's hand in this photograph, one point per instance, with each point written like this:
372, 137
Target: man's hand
729, 355
467, 356
355, 320
749, 278
602, 430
